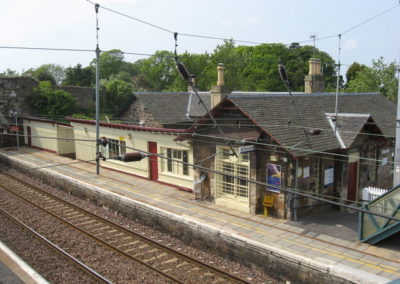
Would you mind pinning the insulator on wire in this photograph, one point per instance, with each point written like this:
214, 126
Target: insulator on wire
282, 73
183, 71
130, 157
103, 141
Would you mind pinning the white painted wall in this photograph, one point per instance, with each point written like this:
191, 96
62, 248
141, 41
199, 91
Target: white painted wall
65, 146
44, 134
138, 140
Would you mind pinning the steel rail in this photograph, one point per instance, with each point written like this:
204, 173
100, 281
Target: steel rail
86, 269
218, 272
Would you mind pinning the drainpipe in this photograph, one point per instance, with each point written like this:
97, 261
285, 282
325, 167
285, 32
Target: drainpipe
396, 172
293, 201
16, 124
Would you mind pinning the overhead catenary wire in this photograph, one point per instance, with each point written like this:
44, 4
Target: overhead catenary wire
284, 189
244, 41
208, 141
287, 147
182, 164
275, 149
219, 120
139, 53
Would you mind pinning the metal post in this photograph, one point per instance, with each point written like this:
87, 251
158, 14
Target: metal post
337, 85
97, 112
96, 7
396, 173
294, 196
16, 124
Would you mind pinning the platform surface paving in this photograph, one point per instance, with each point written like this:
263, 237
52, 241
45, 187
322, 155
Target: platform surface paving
318, 242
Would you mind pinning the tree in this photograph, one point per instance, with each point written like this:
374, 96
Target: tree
9, 73
50, 101
47, 72
110, 62
117, 94
381, 77
78, 76
353, 70
157, 72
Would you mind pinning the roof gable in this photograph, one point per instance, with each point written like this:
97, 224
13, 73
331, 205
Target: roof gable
169, 108
276, 115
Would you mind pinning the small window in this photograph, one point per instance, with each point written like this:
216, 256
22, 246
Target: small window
176, 162
115, 148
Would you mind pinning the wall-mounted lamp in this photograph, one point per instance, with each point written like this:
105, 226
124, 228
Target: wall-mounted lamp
273, 158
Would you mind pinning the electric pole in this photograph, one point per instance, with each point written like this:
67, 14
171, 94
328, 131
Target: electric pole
396, 172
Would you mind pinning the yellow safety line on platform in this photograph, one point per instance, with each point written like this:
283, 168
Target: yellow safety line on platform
247, 226
372, 262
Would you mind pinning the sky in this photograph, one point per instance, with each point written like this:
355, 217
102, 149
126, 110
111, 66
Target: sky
72, 24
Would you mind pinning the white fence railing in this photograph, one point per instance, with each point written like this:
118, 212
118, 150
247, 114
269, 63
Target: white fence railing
371, 193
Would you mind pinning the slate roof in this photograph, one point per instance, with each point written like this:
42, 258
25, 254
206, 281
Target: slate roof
169, 108
272, 111
349, 125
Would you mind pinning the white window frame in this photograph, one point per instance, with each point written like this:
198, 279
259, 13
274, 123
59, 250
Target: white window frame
177, 167
227, 186
116, 147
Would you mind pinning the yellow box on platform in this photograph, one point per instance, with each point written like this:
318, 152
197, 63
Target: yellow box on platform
268, 202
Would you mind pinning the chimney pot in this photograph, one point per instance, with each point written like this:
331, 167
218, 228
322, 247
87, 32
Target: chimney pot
314, 67
221, 74
314, 81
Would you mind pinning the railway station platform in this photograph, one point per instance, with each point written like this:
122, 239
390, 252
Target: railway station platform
309, 251
14, 270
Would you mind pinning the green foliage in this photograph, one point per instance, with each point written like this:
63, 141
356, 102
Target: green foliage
9, 73
82, 116
381, 77
47, 72
117, 94
353, 70
247, 68
157, 73
50, 101
78, 76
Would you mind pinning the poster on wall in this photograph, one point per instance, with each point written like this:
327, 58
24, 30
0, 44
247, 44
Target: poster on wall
274, 177
328, 181
306, 173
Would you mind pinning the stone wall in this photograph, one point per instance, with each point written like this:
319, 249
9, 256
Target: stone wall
137, 114
85, 96
13, 94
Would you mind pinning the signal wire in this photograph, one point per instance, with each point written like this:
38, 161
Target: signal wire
181, 164
285, 189
246, 41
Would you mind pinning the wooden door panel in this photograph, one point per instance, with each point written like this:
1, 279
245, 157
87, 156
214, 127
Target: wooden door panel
153, 162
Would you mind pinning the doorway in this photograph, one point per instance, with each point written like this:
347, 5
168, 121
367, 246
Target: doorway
29, 132
153, 161
352, 177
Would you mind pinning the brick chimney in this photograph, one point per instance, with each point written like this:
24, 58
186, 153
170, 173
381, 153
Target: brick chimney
314, 81
219, 91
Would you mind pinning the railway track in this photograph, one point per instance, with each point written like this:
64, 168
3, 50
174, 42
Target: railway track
174, 265
95, 276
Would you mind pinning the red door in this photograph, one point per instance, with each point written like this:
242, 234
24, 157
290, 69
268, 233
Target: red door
28, 128
153, 161
352, 181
